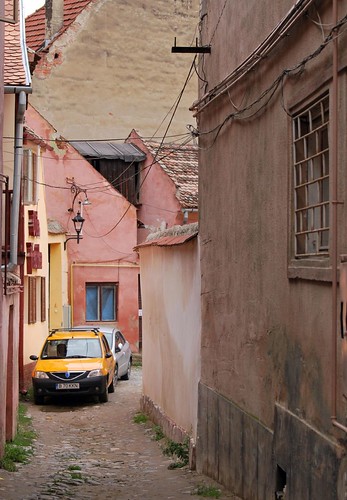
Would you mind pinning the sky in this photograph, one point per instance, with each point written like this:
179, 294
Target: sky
31, 5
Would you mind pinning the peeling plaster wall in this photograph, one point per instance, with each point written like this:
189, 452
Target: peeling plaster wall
109, 233
113, 70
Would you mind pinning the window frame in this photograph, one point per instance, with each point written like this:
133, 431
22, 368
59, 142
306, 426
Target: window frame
312, 267
30, 176
311, 179
100, 286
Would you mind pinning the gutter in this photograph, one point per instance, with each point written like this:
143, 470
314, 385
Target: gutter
17, 174
22, 91
186, 211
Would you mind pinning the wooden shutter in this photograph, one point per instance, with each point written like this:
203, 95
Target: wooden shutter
31, 300
43, 298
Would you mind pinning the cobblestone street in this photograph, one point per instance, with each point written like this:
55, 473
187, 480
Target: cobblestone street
87, 450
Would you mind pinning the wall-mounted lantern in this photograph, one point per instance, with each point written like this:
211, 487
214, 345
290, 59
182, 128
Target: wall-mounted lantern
78, 221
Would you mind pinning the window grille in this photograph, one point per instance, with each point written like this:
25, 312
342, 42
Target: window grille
311, 179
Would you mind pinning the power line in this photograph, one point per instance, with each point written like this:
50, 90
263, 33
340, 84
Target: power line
271, 90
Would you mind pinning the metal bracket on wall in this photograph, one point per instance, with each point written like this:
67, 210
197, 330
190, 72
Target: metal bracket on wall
205, 49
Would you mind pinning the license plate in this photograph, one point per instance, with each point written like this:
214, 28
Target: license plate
68, 386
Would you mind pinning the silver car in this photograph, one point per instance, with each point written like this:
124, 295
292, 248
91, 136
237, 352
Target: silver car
121, 351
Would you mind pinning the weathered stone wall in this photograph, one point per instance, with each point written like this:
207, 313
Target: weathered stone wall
113, 70
237, 450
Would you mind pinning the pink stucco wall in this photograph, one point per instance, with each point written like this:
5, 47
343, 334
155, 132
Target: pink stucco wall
171, 287
159, 207
267, 315
109, 233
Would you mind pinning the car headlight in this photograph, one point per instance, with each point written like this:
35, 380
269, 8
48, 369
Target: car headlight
95, 373
40, 375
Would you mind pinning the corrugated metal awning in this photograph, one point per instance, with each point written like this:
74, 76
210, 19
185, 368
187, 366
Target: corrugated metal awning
109, 150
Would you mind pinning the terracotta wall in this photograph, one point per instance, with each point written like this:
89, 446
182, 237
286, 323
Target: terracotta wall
266, 317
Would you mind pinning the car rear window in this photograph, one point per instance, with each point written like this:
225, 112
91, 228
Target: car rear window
72, 348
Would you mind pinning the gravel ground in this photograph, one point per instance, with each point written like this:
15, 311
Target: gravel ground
87, 450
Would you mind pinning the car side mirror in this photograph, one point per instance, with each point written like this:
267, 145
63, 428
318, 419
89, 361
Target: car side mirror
109, 355
33, 357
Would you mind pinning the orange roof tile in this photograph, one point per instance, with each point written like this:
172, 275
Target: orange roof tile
35, 24
14, 65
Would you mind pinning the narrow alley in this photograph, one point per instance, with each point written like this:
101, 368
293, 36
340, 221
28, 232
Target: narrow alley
87, 450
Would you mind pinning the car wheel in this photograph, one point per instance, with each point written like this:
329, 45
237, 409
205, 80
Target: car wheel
114, 380
103, 397
127, 375
39, 400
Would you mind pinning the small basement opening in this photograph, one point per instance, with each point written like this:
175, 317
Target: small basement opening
281, 483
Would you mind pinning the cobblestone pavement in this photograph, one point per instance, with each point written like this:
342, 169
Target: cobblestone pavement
86, 450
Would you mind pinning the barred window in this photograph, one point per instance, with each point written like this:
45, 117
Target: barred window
311, 179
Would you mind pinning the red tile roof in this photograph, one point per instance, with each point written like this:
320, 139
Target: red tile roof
180, 163
14, 65
35, 23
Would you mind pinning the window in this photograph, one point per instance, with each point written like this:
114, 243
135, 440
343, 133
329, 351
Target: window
311, 179
101, 301
29, 177
124, 176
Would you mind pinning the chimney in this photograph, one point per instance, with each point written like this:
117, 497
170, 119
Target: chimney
54, 17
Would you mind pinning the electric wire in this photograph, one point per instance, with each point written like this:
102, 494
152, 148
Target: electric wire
296, 69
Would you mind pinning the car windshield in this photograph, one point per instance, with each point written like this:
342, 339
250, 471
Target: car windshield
72, 348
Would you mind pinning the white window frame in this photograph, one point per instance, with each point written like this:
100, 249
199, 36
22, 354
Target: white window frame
30, 177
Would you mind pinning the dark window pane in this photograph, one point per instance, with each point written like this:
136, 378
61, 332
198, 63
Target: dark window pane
92, 303
107, 301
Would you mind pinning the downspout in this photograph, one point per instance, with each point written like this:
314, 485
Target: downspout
17, 173
186, 211
334, 228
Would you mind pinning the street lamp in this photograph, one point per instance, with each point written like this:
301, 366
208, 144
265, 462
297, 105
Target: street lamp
78, 221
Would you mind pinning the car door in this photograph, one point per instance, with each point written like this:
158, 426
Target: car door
109, 360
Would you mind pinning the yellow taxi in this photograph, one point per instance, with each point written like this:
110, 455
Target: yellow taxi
74, 361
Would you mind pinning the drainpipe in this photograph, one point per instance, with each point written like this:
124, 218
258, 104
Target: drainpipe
17, 173
186, 213
334, 228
